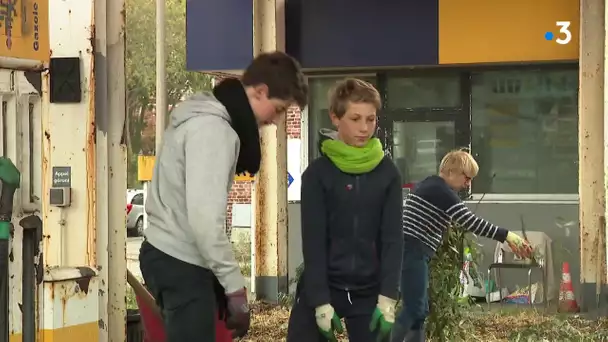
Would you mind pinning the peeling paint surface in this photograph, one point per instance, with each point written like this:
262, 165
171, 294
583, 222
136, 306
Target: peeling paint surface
70, 298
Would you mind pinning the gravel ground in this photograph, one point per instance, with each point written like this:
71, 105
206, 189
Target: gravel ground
270, 324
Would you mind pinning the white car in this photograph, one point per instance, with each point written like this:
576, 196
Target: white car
135, 212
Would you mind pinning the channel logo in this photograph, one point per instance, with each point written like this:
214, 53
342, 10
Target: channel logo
564, 35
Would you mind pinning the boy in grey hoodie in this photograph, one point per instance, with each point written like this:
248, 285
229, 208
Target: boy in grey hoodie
186, 258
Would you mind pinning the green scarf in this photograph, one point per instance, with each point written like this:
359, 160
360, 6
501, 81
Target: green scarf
351, 159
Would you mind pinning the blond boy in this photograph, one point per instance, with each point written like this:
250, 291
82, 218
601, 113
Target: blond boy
428, 212
351, 227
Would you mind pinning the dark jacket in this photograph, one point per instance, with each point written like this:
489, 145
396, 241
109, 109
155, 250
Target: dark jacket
351, 230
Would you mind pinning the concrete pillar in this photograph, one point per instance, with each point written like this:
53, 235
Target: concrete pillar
270, 202
591, 155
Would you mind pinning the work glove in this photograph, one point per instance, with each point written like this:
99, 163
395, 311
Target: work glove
519, 246
328, 322
239, 316
383, 318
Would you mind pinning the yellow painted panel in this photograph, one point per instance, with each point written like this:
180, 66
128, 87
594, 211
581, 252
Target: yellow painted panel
484, 31
88, 332
145, 168
28, 36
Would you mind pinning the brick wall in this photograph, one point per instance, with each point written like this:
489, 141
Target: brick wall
294, 123
241, 190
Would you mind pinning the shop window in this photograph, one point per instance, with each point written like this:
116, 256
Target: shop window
423, 115
418, 147
423, 92
525, 132
318, 113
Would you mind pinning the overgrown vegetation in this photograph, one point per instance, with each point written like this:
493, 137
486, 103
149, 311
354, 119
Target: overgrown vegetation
450, 319
446, 308
131, 300
242, 249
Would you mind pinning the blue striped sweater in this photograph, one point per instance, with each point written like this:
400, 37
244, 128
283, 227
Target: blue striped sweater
431, 207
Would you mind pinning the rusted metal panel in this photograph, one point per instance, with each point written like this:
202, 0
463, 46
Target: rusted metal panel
70, 298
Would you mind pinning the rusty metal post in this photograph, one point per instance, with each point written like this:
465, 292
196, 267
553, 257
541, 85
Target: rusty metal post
102, 200
591, 157
117, 178
270, 202
604, 263
161, 72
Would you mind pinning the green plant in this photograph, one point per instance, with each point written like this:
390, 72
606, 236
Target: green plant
130, 298
242, 250
446, 308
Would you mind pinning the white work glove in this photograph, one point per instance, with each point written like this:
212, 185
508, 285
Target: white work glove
328, 322
383, 317
519, 246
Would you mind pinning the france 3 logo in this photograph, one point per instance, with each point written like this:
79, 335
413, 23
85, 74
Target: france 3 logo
564, 35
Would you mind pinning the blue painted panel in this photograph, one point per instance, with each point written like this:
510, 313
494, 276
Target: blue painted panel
362, 33
219, 34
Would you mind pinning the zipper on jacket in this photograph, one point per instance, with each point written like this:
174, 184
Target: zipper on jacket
355, 222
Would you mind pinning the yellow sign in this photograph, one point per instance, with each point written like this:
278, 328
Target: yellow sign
145, 167
24, 29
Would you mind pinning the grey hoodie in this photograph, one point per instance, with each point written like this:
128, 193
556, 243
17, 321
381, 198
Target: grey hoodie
187, 198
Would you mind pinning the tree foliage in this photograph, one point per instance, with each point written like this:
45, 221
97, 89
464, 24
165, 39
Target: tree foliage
141, 69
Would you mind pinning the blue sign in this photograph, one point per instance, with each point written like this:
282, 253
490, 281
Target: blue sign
289, 179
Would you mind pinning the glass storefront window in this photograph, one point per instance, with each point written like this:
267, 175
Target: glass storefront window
318, 113
423, 92
525, 132
419, 146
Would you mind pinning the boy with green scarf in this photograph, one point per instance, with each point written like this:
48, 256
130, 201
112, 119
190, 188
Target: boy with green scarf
351, 227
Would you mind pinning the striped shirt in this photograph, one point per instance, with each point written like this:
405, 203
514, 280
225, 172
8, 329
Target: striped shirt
432, 206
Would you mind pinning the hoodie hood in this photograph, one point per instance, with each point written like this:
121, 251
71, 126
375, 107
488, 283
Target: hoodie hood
200, 104
326, 134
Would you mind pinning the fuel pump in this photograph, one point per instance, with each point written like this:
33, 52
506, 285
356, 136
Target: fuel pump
32, 235
10, 179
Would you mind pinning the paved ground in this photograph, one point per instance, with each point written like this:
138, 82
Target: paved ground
133, 244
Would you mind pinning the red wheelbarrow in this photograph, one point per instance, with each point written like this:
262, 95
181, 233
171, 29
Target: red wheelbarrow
151, 318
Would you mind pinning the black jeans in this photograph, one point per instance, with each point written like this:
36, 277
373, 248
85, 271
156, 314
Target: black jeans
355, 308
185, 293
414, 292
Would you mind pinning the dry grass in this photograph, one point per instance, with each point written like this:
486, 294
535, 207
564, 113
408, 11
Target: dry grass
270, 324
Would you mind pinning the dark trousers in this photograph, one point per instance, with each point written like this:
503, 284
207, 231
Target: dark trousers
355, 308
185, 293
414, 292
